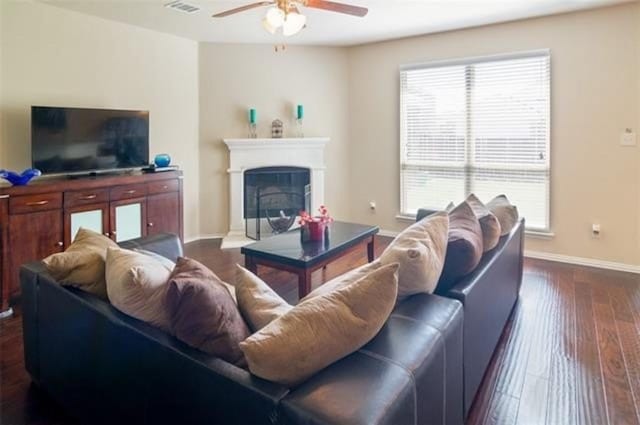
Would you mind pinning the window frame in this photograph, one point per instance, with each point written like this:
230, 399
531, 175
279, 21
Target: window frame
473, 60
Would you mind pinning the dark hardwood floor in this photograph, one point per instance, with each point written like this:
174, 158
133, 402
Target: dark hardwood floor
569, 355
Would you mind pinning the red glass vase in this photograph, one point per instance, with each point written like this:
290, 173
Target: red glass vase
316, 230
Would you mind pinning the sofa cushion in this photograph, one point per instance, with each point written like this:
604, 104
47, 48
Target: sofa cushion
137, 285
489, 223
203, 314
322, 329
82, 264
258, 303
506, 213
420, 251
464, 249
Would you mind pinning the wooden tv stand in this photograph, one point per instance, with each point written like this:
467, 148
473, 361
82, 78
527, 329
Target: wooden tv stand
41, 218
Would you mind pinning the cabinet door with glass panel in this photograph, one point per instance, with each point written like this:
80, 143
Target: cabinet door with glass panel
93, 217
128, 219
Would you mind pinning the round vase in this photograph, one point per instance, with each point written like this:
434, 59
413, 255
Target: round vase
162, 160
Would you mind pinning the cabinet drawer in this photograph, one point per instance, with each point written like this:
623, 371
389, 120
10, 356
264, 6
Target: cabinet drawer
85, 197
128, 192
163, 186
32, 203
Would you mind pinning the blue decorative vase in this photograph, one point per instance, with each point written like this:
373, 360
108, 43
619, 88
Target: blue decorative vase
20, 179
162, 160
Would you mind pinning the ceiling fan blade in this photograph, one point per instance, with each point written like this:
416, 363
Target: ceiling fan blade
337, 7
242, 9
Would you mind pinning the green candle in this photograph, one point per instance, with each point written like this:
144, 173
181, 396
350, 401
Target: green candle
300, 112
252, 116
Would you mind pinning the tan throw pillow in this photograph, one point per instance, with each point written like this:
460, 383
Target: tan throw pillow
506, 213
258, 303
203, 314
344, 279
464, 249
322, 329
137, 285
489, 223
420, 251
82, 264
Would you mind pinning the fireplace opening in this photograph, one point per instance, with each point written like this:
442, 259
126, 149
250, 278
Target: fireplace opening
273, 197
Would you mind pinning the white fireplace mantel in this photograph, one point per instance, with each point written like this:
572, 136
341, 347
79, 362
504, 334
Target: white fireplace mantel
247, 154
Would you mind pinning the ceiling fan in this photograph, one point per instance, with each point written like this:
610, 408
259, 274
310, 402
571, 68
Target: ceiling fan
285, 15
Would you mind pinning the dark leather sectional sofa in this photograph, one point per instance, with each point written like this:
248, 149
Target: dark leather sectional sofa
104, 366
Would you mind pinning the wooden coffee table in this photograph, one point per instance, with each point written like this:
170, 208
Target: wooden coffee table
287, 252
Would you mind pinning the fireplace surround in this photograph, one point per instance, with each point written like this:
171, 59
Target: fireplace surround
250, 154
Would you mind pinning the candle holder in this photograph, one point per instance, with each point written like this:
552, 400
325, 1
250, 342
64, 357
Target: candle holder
253, 133
299, 132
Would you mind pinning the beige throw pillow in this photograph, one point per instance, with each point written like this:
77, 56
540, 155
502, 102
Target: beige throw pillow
137, 285
322, 329
82, 264
506, 213
344, 279
258, 303
488, 223
420, 251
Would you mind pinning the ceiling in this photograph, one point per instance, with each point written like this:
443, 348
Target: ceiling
387, 19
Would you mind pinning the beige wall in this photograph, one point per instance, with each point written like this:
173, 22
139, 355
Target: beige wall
236, 77
595, 75
52, 56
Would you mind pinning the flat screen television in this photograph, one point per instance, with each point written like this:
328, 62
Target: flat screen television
82, 140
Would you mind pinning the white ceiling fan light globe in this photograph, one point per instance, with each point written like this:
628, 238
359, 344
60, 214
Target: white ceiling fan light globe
275, 17
293, 24
267, 26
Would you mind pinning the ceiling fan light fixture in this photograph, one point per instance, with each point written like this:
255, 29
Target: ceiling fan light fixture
293, 23
267, 26
275, 17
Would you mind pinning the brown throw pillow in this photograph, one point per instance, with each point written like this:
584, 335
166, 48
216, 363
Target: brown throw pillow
82, 264
506, 213
203, 314
322, 329
488, 223
464, 249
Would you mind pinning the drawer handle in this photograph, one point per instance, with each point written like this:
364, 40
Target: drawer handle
37, 203
107, 234
130, 192
60, 244
150, 224
165, 187
87, 197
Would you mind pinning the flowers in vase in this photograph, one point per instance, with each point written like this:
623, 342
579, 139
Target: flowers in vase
324, 217
315, 226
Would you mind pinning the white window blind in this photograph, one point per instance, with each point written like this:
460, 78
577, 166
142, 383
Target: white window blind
477, 126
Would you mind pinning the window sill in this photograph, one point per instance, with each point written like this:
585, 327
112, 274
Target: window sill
406, 218
539, 234
536, 234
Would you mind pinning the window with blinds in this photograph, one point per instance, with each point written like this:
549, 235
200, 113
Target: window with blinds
477, 126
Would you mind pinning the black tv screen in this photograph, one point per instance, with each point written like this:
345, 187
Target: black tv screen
76, 140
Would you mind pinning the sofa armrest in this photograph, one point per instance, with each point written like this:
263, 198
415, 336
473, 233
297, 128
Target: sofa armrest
166, 244
488, 295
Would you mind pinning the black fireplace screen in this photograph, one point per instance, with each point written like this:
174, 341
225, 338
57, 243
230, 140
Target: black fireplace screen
273, 197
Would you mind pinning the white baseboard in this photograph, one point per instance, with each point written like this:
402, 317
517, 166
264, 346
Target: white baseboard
205, 236
388, 233
581, 261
